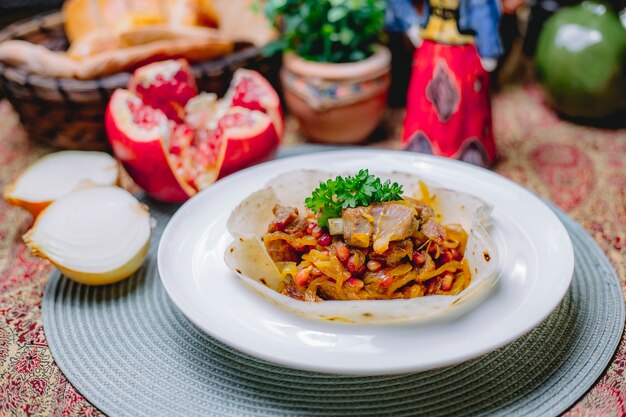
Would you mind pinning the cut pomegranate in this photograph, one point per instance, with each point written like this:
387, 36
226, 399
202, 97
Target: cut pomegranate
252, 91
174, 142
158, 154
249, 137
166, 85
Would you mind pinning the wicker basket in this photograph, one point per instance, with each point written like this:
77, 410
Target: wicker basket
68, 113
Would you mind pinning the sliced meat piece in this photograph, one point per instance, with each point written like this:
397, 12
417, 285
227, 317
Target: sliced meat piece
434, 231
379, 224
297, 226
288, 220
395, 254
424, 212
358, 226
393, 221
281, 251
283, 215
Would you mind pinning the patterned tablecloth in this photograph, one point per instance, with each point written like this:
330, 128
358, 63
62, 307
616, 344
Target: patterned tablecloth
581, 169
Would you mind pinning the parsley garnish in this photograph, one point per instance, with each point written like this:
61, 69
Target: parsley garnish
362, 189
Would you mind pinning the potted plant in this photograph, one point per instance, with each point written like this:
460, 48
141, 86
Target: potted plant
335, 74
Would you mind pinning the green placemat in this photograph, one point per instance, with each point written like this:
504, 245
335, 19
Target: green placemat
131, 352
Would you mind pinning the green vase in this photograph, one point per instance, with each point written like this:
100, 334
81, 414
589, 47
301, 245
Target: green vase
581, 61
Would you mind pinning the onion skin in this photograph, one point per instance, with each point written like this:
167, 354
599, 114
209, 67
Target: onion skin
269, 103
33, 207
256, 145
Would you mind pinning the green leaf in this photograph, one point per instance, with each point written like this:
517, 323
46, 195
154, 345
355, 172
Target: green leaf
346, 36
337, 13
328, 30
362, 189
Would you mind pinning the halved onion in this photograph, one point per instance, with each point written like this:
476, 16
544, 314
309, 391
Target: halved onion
59, 173
95, 236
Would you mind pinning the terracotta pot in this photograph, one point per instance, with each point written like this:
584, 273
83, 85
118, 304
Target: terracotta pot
337, 103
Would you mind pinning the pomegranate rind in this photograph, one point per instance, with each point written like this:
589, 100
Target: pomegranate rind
246, 145
165, 85
269, 102
145, 158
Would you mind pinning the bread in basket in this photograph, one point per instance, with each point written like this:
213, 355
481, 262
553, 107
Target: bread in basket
60, 88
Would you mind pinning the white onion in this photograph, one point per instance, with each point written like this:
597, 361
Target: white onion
95, 235
58, 174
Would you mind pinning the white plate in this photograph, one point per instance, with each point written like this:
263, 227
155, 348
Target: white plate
535, 254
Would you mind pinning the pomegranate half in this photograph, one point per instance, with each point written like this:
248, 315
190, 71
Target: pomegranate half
153, 149
166, 85
251, 90
244, 137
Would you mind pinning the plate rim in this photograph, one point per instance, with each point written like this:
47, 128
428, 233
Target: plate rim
369, 152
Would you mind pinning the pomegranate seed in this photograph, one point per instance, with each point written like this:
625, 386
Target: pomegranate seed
176, 149
302, 277
456, 255
351, 266
324, 240
450, 255
142, 115
356, 263
418, 258
374, 266
355, 282
343, 253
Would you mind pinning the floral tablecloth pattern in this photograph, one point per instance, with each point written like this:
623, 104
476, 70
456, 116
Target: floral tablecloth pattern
581, 169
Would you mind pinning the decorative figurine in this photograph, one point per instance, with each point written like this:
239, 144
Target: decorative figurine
448, 103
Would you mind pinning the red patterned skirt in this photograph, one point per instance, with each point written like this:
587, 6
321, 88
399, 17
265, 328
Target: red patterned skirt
448, 104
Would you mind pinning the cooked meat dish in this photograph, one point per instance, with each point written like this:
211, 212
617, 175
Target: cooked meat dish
385, 250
